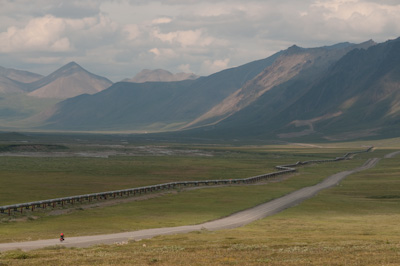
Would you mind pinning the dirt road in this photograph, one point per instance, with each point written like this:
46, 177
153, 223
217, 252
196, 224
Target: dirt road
233, 221
393, 154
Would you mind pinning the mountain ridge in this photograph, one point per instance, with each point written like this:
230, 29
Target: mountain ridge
68, 81
138, 104
339, 92
350, 100
160, 75
291, 62
15, 81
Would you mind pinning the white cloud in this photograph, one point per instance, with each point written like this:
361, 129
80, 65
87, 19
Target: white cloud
358, 19
163, 53
203, 36
155, 51
52, 34
40, 34
346, 10
186, 38
215, 65
163, 20
132, 31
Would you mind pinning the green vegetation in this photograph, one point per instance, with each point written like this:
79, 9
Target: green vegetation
187, 207
355, 223
31, 148
38, 178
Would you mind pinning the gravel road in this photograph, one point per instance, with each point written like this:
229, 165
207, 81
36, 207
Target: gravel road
232, 221
393, 154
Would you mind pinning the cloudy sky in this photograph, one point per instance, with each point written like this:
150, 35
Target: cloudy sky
117, 39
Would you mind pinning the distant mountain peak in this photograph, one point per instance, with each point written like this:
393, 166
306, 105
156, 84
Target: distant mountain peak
368, 44
294, 49
69, 69
72, 63
68, 81
160, 75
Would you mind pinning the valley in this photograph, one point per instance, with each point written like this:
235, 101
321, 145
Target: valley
74, 133
200, 133
85, 174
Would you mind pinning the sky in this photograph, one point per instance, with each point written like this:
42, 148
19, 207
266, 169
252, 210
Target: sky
117, 39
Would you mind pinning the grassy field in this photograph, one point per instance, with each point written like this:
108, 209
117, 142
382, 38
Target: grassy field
355, 223
38, 178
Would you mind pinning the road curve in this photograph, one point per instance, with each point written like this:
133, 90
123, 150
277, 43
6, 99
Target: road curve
393, 154
232, 221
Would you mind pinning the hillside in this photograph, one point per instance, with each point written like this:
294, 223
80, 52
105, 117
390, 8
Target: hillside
150, 106
357, 97
19, 75
68, 81
293, 63
14, 81
8, 85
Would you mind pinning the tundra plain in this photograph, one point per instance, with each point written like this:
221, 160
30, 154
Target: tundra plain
354, 223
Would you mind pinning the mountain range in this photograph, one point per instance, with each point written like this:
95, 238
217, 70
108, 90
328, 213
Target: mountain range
355, 97
13, 80
339, 92
68, 81
149, 106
